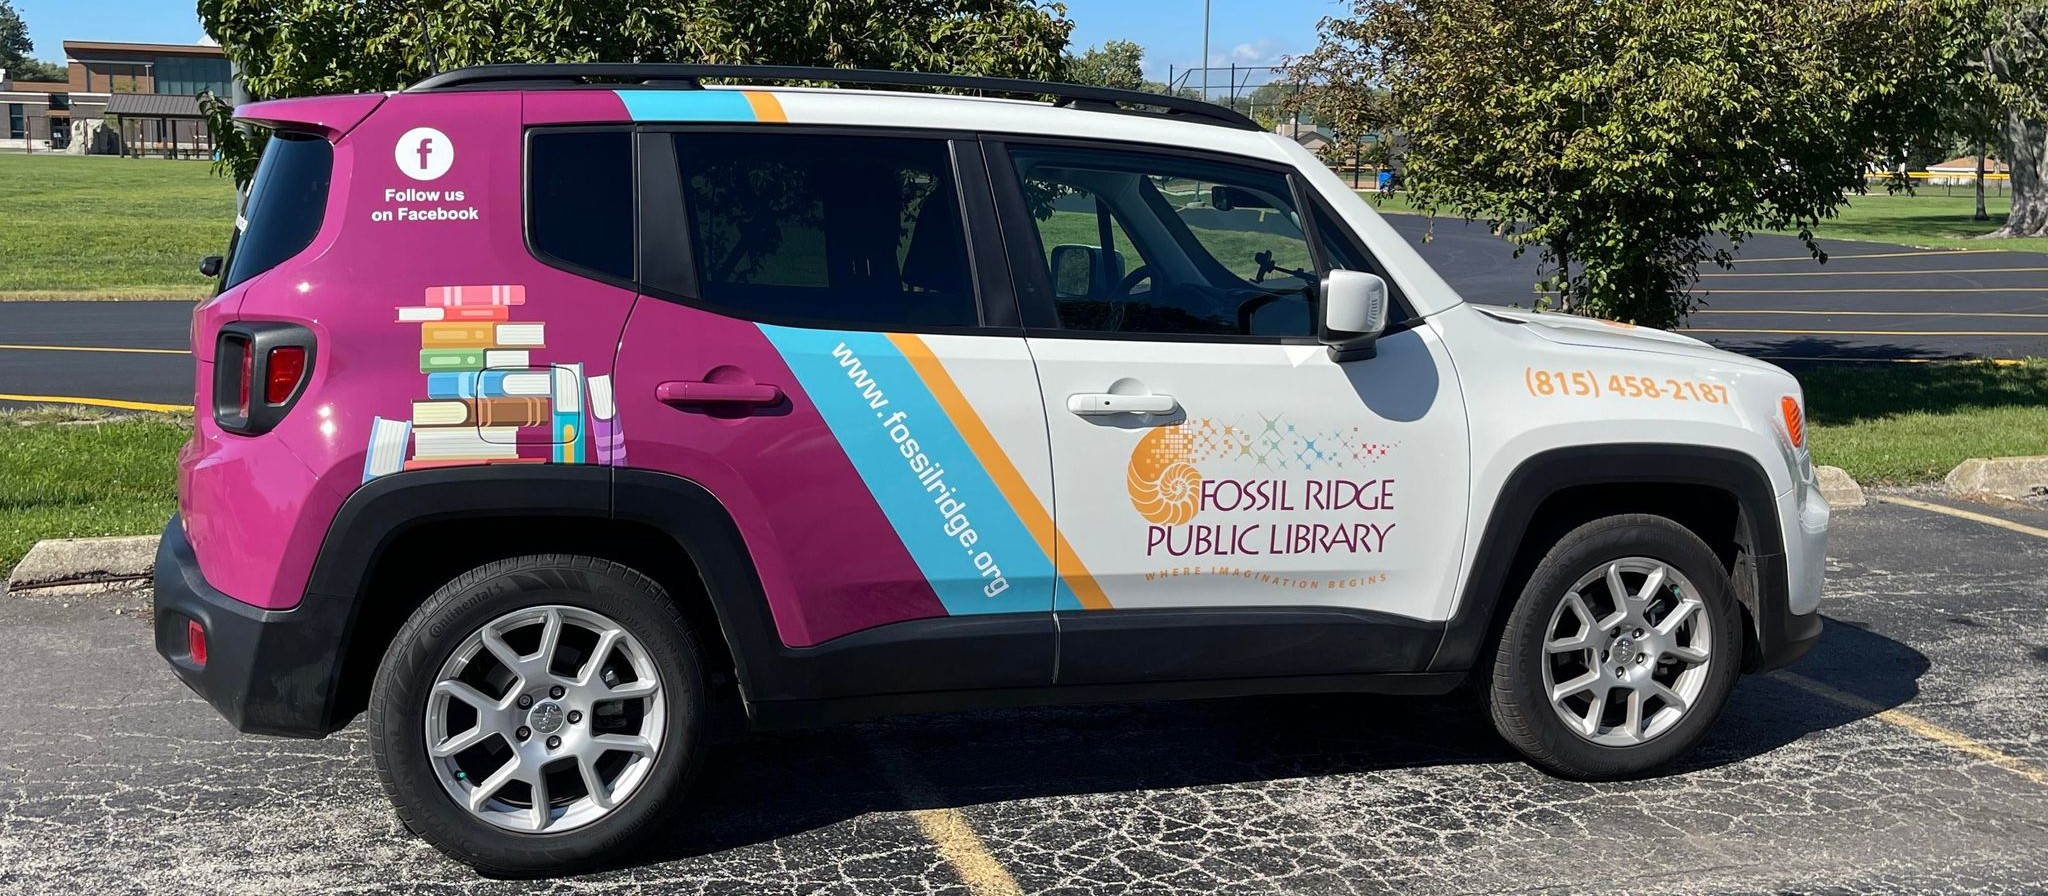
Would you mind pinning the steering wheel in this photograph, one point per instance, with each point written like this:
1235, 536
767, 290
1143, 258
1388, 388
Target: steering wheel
1132, 279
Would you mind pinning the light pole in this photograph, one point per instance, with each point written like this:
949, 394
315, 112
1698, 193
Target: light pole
1205, 50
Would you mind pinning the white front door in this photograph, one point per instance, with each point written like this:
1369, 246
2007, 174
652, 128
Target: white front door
1208, 454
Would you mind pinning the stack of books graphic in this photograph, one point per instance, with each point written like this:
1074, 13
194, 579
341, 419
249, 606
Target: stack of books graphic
484, 395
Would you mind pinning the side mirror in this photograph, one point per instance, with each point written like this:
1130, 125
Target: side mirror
1354, 314
1073, 271
210, 266
1079, 271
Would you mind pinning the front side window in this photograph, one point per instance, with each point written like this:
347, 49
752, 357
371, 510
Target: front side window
579, 195
835, 231
1164, 245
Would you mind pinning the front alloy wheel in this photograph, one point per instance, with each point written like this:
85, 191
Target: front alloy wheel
1621, 649
1629, 652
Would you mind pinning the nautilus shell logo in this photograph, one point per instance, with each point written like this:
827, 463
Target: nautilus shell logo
1165, 487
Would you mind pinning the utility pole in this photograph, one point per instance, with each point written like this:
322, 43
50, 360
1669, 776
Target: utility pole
1205, 49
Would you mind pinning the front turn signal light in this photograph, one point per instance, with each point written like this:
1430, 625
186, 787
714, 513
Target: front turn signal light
1795, 420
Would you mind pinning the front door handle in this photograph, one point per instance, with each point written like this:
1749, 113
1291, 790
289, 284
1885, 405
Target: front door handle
697, 393
1096, 404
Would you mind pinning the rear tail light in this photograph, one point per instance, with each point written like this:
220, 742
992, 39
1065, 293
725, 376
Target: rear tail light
261, 369
1795, 420
287, 366
248, 368
195, 642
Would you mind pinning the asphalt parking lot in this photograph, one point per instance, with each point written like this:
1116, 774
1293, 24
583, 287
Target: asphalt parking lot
1869, 302
1907, 753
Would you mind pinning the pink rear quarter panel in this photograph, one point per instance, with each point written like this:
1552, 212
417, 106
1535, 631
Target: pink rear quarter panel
258, 507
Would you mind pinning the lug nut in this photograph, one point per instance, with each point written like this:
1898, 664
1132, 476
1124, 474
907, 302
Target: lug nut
1641, 659
1619, 671
524, 732
555, 693
525, 701
1639, 633
554, 743
575, 716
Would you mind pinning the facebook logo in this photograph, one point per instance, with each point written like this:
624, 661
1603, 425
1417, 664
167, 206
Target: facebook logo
424, 154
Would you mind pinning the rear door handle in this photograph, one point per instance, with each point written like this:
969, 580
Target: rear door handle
696, 393
1096, 404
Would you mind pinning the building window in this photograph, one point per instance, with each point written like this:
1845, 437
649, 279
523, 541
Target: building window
188, 75
60, 102
17, 122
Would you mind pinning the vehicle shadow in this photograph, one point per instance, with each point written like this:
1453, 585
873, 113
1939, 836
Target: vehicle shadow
759, 787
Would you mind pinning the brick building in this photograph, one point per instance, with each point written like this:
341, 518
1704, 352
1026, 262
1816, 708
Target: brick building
121, 98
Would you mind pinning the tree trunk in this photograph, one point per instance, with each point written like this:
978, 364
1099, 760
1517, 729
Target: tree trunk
1982, 214
2026, 143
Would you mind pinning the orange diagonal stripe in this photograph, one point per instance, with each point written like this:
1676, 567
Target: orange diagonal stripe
766, 106
1066, 563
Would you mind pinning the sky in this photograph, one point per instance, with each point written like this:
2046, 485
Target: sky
1247, 32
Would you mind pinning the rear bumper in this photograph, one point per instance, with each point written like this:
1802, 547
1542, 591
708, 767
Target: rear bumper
266, 671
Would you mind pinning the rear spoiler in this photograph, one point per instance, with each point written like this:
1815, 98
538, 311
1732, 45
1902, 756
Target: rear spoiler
329, 116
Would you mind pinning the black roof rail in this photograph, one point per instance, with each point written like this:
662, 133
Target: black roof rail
688, 76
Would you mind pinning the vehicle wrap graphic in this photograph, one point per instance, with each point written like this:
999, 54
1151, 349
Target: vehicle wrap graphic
984, 542
1208, 488
701, 105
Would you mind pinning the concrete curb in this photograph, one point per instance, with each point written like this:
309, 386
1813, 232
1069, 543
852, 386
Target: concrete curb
60, 562
1838, 488
2006, 477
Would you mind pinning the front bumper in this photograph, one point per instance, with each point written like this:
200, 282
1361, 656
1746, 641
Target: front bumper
1788, 605
266, 671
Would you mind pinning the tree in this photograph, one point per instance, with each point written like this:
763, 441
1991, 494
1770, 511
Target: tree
1118, 63
15, 46
2014, 72
1619, 137
299, 47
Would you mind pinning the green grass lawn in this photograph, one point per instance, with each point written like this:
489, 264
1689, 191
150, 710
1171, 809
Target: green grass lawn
1904, 423
74, 227
1929, 219
78, 479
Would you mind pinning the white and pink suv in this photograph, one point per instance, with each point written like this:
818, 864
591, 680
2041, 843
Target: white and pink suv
539, 401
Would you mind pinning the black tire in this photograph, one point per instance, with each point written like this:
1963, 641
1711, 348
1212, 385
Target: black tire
1520, 707
398, 707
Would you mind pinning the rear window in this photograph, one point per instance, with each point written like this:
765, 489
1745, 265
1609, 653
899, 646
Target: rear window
579, 191
286, 204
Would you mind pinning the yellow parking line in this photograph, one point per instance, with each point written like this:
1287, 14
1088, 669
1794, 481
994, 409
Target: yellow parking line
946, 828
2009, 525
1995, 362
1867, 332
2027, 314
1952, 739
1789, 292
96, 402
98, 348
1832, 256
1866, 273
963, 849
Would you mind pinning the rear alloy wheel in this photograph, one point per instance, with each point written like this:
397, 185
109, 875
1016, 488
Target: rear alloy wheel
539, 715
1622, 649
552, 734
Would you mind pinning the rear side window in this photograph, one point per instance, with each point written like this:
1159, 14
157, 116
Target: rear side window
287, 201
832, 231
579, 199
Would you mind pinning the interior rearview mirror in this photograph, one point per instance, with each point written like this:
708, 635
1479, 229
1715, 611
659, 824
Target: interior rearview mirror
1225, 199
210, 266
1354, 314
